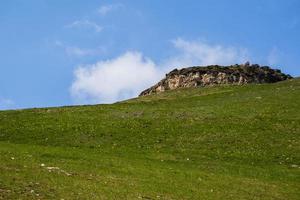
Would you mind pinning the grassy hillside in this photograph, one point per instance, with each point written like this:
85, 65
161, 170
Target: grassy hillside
225, 142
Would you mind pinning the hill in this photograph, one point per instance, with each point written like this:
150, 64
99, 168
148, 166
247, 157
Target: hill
203, 76
221, 142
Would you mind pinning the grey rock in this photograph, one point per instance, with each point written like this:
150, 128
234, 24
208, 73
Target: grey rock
200, 76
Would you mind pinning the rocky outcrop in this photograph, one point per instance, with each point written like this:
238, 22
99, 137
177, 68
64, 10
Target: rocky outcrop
215, 75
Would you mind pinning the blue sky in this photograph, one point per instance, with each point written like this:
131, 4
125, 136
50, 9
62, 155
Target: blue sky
65, 52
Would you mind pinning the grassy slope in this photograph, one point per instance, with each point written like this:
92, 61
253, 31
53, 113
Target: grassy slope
230, 142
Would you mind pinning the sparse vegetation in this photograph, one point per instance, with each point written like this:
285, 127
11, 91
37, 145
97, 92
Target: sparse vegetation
200, 76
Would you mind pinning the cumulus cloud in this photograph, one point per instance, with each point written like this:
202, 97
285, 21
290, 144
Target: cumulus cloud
128, 74
85, 24
112, 80
6, 103
105, 9
200, 53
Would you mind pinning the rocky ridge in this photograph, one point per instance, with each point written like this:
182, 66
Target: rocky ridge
215, 75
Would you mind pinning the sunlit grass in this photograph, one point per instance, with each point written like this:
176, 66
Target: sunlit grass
226, 142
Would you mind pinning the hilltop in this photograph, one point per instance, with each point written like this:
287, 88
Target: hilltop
217, 75
220, 142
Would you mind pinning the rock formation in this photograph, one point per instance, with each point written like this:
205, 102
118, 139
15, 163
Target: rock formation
214, 75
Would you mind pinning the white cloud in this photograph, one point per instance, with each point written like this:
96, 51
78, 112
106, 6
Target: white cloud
193, 53
6, 103
127, 75
112, 80
85, 23
273, 57
105, 9
77, 51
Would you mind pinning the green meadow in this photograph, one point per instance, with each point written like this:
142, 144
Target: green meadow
223, 142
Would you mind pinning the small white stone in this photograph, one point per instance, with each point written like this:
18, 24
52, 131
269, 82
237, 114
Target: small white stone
52, 168
42, 165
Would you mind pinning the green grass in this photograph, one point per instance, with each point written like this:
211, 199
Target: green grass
225, 142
